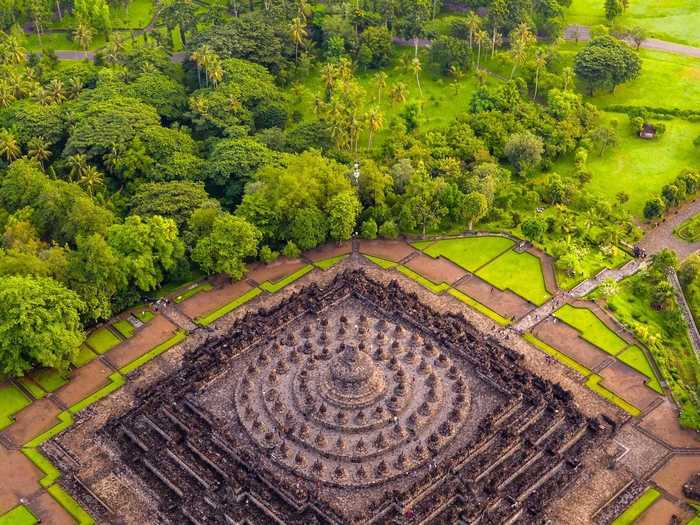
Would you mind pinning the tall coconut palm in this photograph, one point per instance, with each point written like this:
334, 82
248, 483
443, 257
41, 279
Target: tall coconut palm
480, 38
567, 76
9, 147
74, 87
83, 35
416, 68
375, 122
13, 52
298, 32
398, 93
196, 57
91, 180
540, 62
215, 71
56, 91
473, 23
329, 75
380, 83
7, 95
38, 150
77, 165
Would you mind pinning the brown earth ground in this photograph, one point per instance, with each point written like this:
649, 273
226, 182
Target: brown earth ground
503, 302
567, 339
548, 272
438, 270
628, 384
19, 478
205, 302
275, 271
661, 513
663, 422
32, 421
49, 511
675, 473
327, 251
390, 250
157, 331
84, 381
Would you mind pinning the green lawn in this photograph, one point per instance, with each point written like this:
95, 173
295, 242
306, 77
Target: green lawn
689, 230
330, 262
636, 509
12, 400
427, 283
124, 327
278, 285
85, 355
592, 263
382, 263
519, 272
441, 102
476, 305
470, 253
144, 315
204, 287
49, 379
72, 507
19, 515
208, 319
136, 16
634, 357
639, 167
592, 329
675, 20
102, 340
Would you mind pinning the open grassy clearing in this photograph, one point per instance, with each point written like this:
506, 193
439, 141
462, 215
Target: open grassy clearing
675, 20
470, 253
520, 273
136, 16
441, 102
592, 329
689, 230
639, 167
636, 509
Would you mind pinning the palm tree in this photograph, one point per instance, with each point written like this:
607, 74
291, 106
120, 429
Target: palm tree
417, 67
115, 48
55, 91
7, 95
540, 62
9, 148
481, 76
38, 150
298, 33
318, 106
480, 37
74, 87
567, 76
215, 71
398, 93
329, 77
521, 39
380, 81
496, 41
375, 122
83, 35
91, 180
473, 23
111, 161
14, 53
78, 165
197, 56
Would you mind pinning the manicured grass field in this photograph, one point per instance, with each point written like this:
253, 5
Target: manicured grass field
639, 505
12, 400
125, 328
144, 315
430, 285
675, 20
470, 253
476, 305
592, 329
441, 103
635, 358
72, 507
19, 515
382, 263
208, 319
639, 167
102, 340
689, 230
328, 263
85, 355
49, 379
519, 272
278, 285
204, 287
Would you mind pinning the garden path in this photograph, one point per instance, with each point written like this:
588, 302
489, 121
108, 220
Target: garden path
582, 33
661, 236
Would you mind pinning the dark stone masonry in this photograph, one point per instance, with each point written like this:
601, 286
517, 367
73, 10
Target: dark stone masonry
353, 403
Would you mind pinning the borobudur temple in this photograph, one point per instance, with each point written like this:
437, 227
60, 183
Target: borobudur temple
345, 403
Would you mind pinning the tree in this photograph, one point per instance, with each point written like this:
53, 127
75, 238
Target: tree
606, 62
603, 137
524, 151
298, 33
416, 68
38, 150
474, 207
380, 83
39, 324
521, 41
540, 62
91, 180
480, 37
230, 241
83, 35
613, 9
654, 208
449, 52
638, 35
473, 23
399, 93
375, 122
533, 228
9, 148
342, 210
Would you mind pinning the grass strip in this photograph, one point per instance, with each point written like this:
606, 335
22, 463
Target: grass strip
32, 387
476, 305
66, 420
85, 356
556, 354
12, 400
51, 473
208, 319
73, 508
125, 328
593, 383
278, 285
430, 285
20, 515
102, 340
179, 336
49, 379
115, 382
591, 328
204, 287
328, 263
637, 507
144, 315
382, 263
635, 358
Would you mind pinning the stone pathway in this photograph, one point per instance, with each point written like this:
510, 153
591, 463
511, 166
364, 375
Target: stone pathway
661, 236
582, 33
685, 309
540, 313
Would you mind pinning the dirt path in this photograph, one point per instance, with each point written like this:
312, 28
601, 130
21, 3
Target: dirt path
582, 33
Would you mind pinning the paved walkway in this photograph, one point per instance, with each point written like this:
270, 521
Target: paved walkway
661, 235
583, 33
685, 309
